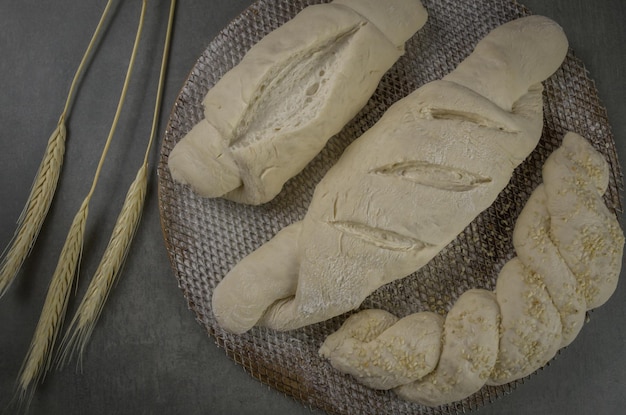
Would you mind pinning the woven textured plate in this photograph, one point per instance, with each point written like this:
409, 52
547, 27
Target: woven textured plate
205, 238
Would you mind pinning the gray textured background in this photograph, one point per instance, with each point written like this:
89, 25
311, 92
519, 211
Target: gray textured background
147, 354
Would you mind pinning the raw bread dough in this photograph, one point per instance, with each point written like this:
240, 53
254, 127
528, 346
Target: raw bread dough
495, 339
391, 342
468, 355
404, 189
297, 87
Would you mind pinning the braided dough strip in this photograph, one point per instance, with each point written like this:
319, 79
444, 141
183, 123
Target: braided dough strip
569, 248
392, 344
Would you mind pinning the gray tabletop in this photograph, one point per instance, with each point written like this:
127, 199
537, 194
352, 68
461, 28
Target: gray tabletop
148, 354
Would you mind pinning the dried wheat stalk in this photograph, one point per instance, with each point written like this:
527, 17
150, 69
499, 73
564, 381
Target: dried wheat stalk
105, 276
38, 359
45, 183
89, 310
36, 209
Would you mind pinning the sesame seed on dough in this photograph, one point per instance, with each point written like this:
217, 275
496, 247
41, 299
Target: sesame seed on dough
468, 355
537, 251
399, 354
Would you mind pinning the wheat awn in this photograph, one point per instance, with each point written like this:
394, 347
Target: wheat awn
38, 358
45, 183
106, 274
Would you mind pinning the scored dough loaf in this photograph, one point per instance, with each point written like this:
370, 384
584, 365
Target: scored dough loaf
271, 114
495, 338
404, 189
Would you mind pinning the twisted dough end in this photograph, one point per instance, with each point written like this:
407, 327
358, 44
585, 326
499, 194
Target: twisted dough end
468, 353
204, 163
569, 259
391, 342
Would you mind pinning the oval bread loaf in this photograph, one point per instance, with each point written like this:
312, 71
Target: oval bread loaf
272, 113
406, 188
499, 337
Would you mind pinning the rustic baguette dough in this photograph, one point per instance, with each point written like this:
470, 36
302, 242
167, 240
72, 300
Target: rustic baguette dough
272, 113
534, 318
407, 187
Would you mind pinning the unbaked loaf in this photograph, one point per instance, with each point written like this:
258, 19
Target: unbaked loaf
271, 114
380, 349
497, 337
404, 189
468, 353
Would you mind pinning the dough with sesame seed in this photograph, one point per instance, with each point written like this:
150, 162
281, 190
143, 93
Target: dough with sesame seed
530, 324
468, 355
535, 249
380, 350
588, 235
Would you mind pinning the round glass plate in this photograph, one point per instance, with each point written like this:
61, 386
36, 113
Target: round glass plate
205, 238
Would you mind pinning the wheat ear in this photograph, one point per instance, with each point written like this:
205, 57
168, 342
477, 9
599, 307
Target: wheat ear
38, 359
36, 209
108, 271
45, 183
112, 260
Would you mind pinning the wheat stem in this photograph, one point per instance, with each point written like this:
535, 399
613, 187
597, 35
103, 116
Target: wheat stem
106, 275
120, 105
85, 59
159, 94
44, 186
37, 361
